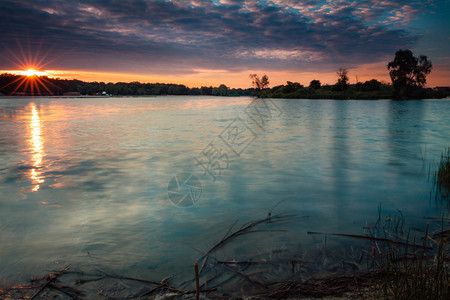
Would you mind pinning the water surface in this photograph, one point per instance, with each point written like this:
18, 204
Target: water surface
84, 181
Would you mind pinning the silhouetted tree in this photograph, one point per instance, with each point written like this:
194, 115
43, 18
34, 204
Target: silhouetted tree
408, 73
292, 87
315, 84
369, 86
260, 84
222, 90
11, 84
206, 90
342, 83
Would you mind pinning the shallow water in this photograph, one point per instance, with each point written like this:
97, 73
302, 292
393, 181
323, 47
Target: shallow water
85, 181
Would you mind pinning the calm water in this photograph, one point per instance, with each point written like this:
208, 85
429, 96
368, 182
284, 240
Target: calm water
84, 181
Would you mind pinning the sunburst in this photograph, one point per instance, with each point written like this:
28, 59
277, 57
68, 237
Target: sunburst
33, 72
33, 78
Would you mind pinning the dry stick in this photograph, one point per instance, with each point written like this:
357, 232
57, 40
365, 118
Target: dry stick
83, 281
158, 284
276, 204
239, 273
71, 292
236, 234
20, 287
50, 278
150, 291
220, 274
242, 262
229, 229
228, 238
254, 282
371, 238
197, 283
211, 279
225, 281
163, 286
43, 287
291, 261
201, 291
132, 279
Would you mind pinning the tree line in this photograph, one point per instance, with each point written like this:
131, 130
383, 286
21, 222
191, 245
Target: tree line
408, 75
12, 84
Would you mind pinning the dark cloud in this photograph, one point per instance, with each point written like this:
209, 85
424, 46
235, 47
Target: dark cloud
178, 36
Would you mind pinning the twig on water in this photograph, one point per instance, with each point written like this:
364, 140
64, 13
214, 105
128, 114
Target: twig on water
372, 239
205, 283
50, 279
43, 288
83, 281
69, 291
242, 231
197, 283
254, 282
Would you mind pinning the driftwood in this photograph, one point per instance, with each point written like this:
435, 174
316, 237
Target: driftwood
240, 273
243, 230
365, 237
223, 272
51, 282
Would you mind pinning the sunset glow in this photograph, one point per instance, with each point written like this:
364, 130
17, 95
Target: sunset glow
32, 72
178, 41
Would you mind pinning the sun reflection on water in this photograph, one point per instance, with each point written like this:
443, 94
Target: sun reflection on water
37, 148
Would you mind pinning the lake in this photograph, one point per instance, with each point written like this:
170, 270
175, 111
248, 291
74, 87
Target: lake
105, 183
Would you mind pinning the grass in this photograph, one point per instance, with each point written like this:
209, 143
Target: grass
411, 270
442, 175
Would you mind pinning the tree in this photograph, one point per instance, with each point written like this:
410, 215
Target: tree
342, 83
222, 90
292, 87
369, 86
408, 73
315, 84
206, 90
260, 84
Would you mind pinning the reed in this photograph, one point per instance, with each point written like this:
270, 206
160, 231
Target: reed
418, 267
442, 176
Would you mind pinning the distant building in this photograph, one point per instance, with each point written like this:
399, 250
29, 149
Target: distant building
72, 94
442, 88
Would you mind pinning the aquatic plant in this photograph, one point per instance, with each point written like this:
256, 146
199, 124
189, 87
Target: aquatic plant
442, 175
416, 268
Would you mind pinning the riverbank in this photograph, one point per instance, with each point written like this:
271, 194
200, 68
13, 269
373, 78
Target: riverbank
392, 262
10, 85
353, 92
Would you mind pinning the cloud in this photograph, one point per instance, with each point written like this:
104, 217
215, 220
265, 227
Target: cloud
178, 36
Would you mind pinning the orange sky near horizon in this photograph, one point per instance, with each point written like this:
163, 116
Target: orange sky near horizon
205, 77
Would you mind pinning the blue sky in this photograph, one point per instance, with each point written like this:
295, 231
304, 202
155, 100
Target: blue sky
207, 41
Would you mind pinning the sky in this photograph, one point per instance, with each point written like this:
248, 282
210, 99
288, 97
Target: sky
210, 42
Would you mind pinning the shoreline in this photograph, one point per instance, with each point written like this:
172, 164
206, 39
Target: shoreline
396, 268
215, 96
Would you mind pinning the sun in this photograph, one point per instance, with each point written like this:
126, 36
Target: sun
33, 72
31, 82
31, 77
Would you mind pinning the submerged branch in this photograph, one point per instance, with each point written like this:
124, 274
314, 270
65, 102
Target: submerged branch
242, 231
364, 237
